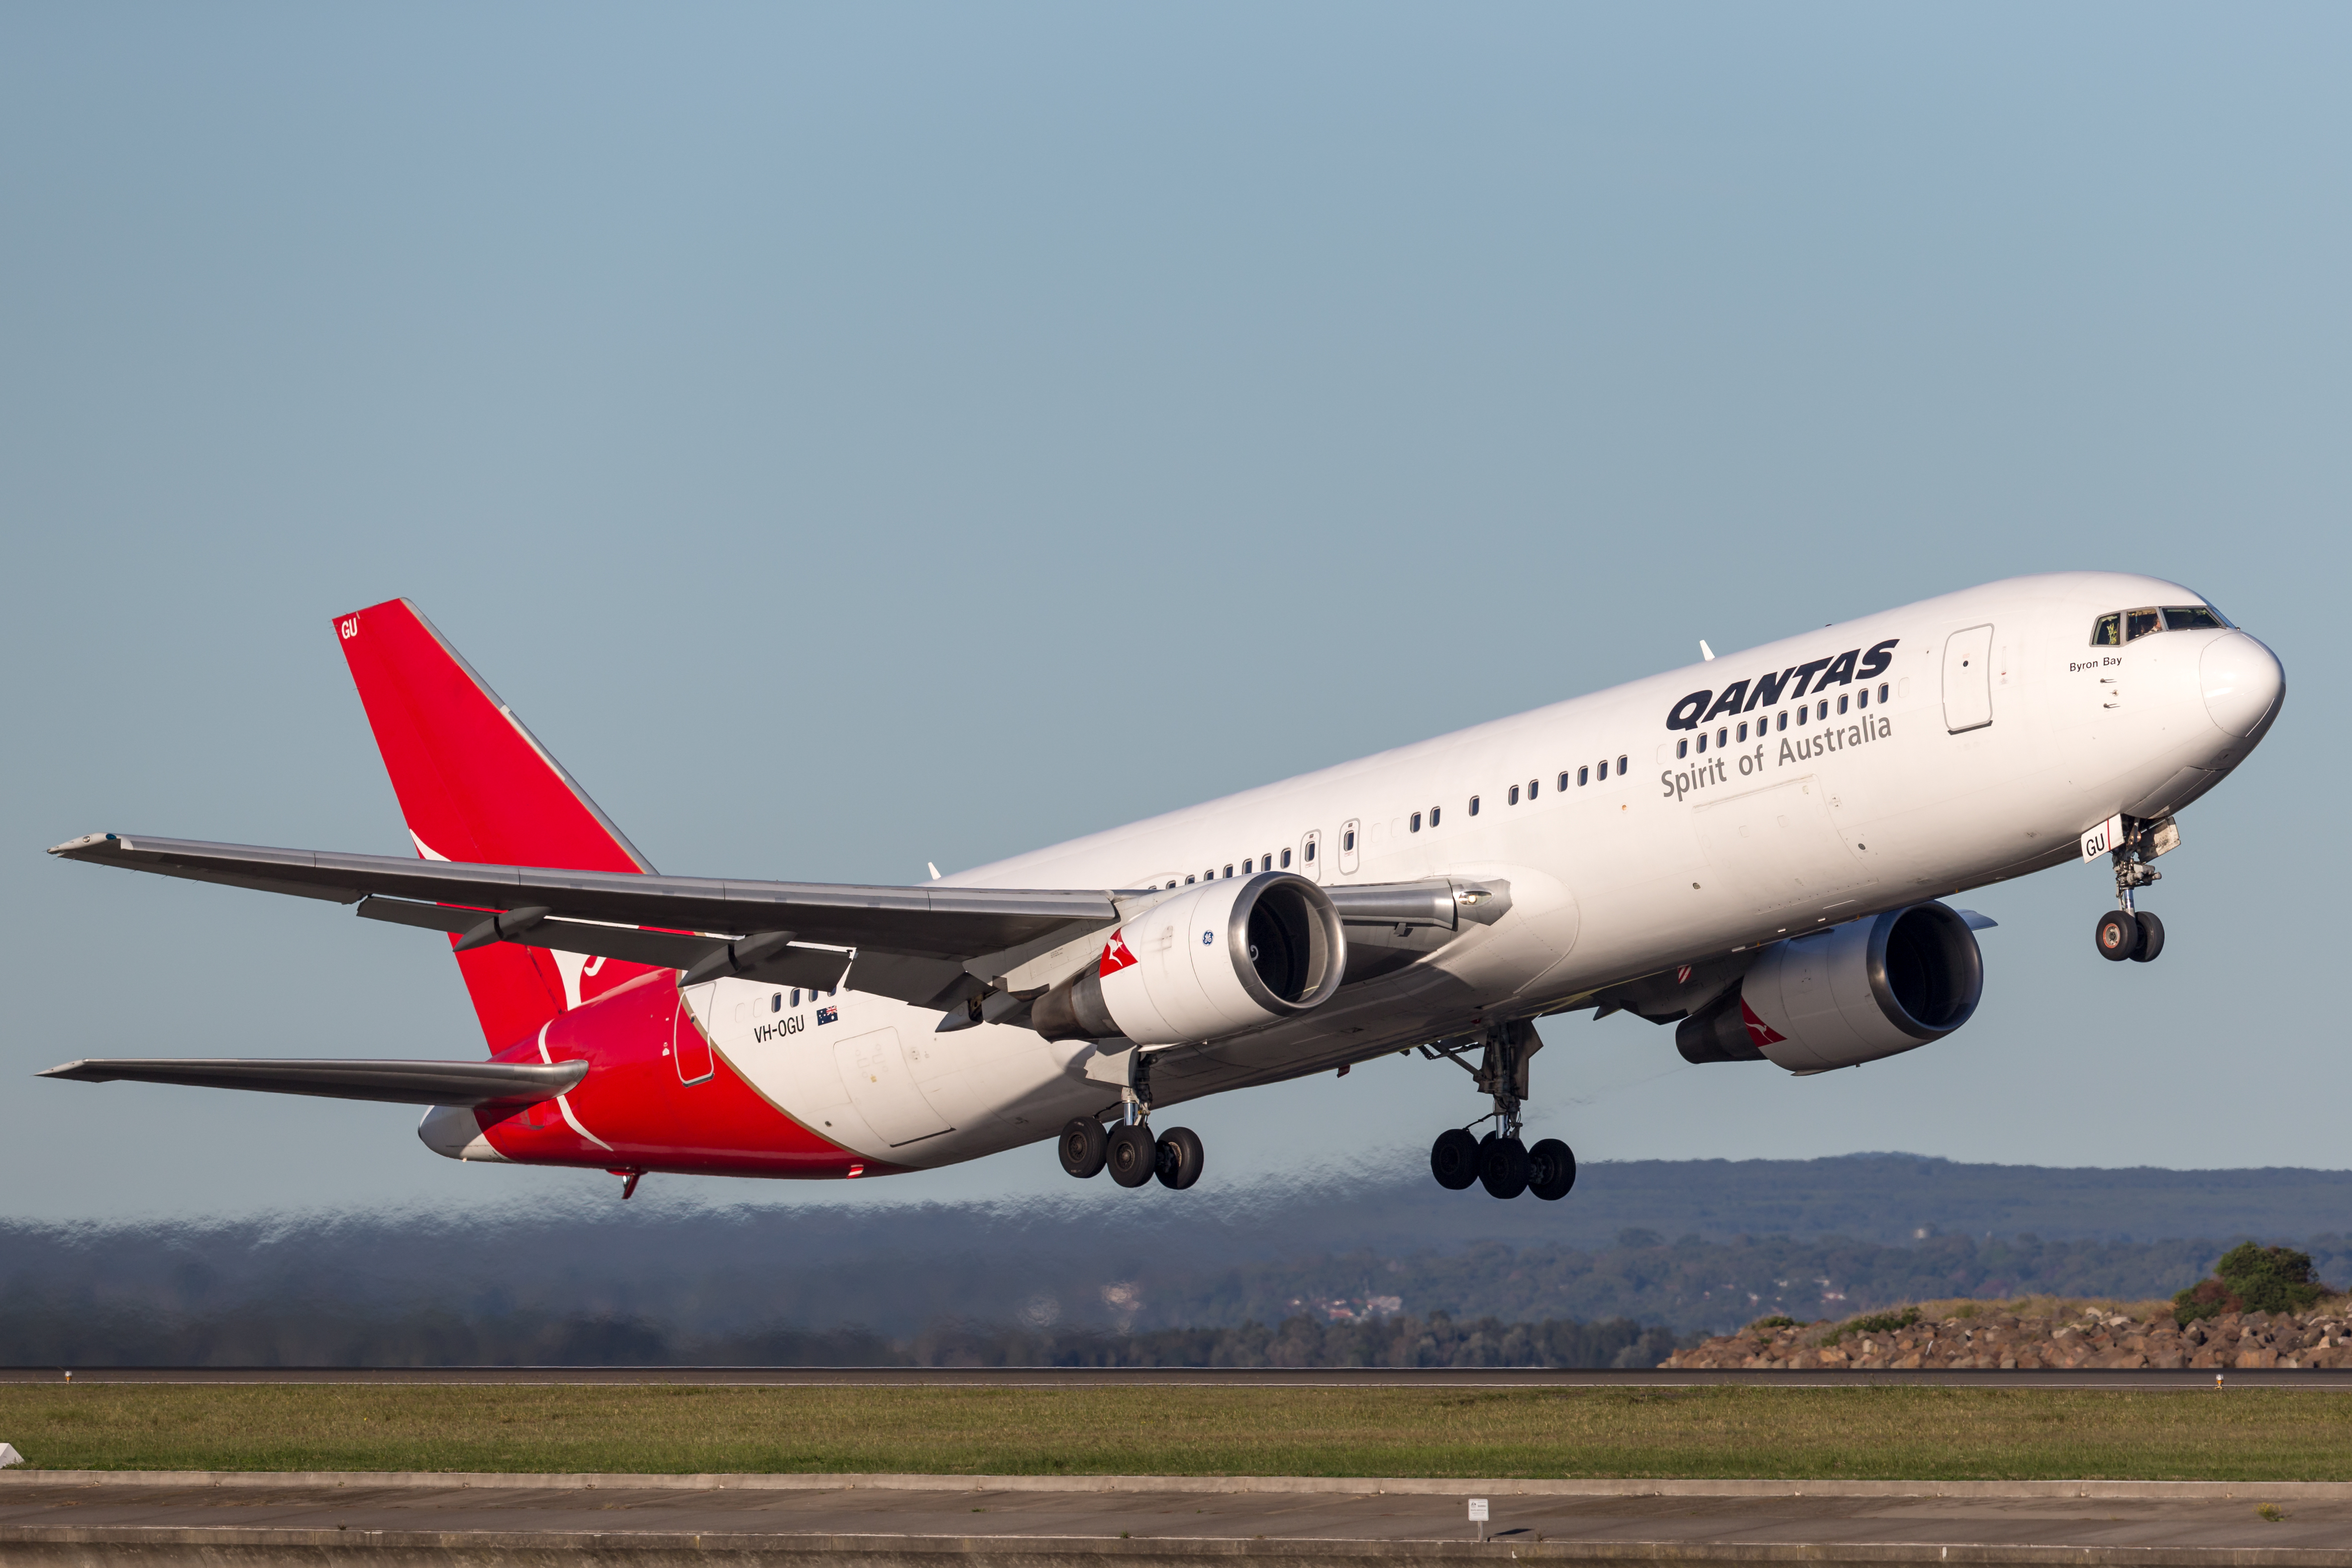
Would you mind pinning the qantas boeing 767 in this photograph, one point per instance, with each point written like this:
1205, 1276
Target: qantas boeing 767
1753, 849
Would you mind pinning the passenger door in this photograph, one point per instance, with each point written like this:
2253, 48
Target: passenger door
690, 1032
1967, 680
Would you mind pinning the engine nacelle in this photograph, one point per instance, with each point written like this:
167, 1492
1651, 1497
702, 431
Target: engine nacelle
1853, 994
1214, 959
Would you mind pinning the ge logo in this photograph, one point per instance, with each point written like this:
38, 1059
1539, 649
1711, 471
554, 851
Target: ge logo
1207, 937
350, 628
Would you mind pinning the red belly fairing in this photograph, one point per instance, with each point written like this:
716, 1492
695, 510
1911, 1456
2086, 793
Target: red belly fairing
633, 1101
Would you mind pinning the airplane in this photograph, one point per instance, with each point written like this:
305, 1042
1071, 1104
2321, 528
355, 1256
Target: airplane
1755, 848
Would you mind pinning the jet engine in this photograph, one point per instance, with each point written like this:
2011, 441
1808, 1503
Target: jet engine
1213, 961
1852, 994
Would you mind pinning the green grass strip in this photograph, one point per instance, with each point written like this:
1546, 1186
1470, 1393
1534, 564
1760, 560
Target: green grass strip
1898, 1432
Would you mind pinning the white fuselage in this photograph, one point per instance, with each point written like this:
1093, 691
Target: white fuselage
1686, 856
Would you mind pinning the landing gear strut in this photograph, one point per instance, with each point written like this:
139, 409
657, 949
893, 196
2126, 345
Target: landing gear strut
1129, 1151
1499, 1162
2126, 932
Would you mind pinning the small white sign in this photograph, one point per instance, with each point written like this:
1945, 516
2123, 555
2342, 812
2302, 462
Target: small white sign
2103, 838
1478, 1509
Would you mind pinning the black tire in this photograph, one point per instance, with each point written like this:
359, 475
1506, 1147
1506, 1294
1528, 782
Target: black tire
1178, 1165
1453, 1159
2151, 938
1083, 1143
1503, 1168
1552, 1170
2118, 936
1132, 1156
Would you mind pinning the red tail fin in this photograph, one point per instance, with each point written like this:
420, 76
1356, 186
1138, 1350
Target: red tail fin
475, 785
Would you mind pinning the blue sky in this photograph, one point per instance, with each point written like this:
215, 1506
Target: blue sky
860, 436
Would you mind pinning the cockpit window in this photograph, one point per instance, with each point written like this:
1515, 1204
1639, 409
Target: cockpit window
2193, 618
2108, 632
2137, 624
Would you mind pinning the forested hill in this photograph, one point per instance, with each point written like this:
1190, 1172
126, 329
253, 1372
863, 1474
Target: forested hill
1698, 1246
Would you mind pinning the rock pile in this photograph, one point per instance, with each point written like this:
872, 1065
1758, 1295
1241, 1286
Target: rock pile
1997, 1339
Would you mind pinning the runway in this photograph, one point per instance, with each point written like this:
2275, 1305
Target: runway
1194, 1377
487, 1521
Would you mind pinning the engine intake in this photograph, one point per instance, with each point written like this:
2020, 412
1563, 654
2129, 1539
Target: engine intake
1853, 994
1214, 959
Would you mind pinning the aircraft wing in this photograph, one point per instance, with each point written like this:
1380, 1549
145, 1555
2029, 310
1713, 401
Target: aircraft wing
401, 1082
922, 945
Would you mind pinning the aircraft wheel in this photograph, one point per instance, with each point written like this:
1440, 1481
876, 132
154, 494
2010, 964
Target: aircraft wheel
2151, 938
1132, 1156
1178, 1165
1453, 1159
2118, 936
1083, 1145
1503, 1168
1552, 1170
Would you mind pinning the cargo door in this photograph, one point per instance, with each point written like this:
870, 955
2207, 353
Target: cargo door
1967, 680
875, 1075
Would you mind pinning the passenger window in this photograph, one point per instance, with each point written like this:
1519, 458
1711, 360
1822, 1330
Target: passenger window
2107, 631
1580, 773
1310, 849
1702, 741
1823, 711
1804, 711
1229, 870
1435, 813
1579, 778
1862, 698
1743, 730
1512, 799
1415, 825
796, 997
1190, 881
776, 1003
1722, 739
2191, 618
1620, 767
1682, 750
1882, 693
2138, 624
1286, 859
1841, 701
1532, 787
1245, 868
1474, 806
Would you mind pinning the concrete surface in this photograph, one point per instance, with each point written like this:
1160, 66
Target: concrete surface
486, 1521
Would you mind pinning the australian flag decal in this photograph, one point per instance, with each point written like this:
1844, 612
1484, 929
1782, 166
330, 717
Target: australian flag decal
828, 1015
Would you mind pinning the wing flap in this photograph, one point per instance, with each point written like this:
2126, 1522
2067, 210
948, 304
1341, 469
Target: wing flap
946, 923
400, 1082
794, 966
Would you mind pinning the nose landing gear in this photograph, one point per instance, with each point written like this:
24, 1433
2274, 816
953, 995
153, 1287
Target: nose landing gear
2126, 932
1499, 1162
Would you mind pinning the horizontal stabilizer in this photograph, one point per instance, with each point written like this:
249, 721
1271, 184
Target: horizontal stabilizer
400, 1082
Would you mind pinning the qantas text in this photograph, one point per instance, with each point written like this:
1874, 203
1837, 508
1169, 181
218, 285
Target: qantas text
1764, 690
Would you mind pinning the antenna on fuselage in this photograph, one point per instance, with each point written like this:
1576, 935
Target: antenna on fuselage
1706, 652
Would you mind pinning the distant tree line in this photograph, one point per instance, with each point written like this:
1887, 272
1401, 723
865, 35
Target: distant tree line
280, 1333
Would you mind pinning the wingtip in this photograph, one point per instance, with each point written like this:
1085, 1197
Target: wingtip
63, 1069
87, 841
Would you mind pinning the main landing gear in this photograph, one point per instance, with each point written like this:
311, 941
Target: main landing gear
2126, 931
1129, 1151
1499, 1162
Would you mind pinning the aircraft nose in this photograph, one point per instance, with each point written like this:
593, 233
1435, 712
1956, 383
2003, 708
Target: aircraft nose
2242, 680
